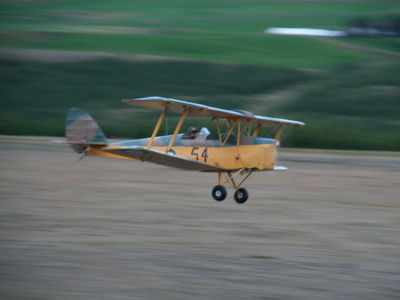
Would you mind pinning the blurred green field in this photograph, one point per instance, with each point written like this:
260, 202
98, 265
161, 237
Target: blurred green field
346, 90
256, 48
215, 16
219, 31
98, 86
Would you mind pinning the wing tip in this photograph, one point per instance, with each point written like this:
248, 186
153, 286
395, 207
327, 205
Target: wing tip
144, 98
279, 168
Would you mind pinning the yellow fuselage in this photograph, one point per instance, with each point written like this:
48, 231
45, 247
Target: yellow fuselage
261, 157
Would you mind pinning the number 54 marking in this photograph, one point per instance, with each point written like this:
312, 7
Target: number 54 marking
196, 154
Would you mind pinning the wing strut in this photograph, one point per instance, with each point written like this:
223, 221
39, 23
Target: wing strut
278, 133
257, 131
178, 127
228, 134
157, 128
238, 135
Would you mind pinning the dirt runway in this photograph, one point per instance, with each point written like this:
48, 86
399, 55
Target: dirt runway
329, 228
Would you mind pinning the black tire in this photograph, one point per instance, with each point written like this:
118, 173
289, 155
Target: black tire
241, 195
219, 193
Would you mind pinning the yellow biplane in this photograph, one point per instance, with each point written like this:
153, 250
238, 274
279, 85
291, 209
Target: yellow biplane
237, 151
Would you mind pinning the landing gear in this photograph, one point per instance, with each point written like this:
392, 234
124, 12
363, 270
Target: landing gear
241, 195
219, 193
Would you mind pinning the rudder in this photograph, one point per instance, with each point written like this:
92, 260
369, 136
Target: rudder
81, 129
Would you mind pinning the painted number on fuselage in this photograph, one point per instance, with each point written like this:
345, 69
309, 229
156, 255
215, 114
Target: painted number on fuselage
196, 154
204, 154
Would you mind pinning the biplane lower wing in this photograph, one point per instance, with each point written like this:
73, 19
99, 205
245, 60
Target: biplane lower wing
161, 158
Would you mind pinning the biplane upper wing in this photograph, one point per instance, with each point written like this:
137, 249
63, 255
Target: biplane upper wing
199, 110
179, 106
162, 158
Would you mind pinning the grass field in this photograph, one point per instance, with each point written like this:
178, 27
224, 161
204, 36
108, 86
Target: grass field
213, 52
226, 31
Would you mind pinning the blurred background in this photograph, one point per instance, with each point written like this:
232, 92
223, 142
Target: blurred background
58, 54
108, 229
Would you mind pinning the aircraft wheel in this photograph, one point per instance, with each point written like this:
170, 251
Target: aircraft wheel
219, 193
241, 195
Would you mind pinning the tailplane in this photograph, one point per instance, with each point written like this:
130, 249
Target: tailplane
81, 130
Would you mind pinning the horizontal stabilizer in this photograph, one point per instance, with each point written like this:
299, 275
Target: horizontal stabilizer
80, 143
162, 158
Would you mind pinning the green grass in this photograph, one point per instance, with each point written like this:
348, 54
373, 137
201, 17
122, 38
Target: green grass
380, 43
353, 107
348, 96
297, 52
36, 93
227, 16
218, 31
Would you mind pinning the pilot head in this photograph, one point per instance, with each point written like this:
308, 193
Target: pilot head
192, 132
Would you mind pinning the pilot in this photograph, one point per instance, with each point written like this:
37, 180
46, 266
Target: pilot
192, 132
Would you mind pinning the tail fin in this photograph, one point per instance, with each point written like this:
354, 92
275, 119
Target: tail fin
82, 130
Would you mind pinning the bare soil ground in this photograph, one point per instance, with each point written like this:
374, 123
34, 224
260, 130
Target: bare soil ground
329, 228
